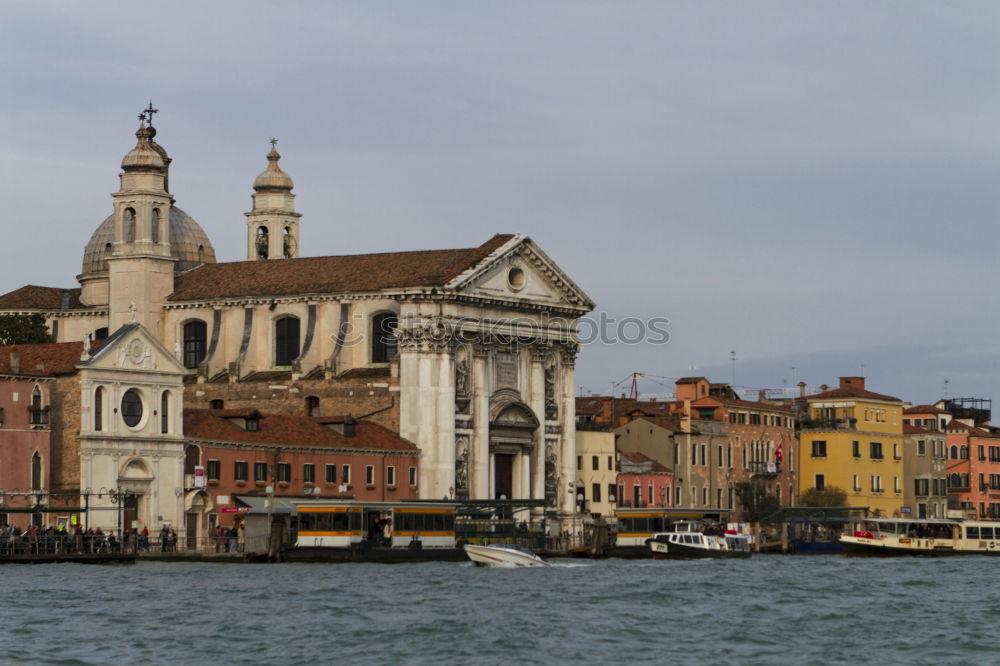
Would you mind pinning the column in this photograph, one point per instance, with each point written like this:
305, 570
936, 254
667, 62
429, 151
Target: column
537, 402
445, 395
480, 466
567, 422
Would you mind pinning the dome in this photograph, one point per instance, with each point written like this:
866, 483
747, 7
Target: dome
273, 178
188, 244
145, 154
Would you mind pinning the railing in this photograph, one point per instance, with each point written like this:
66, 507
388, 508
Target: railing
771, 467
829, 424
97, 544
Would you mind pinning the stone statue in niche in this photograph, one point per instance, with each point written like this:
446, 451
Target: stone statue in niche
462, 468
551, 478
463, 391
551, 408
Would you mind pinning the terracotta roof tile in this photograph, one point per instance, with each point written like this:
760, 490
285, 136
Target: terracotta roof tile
638, 458
325, 275
32, 297
914, 430
43, 358
288, 430
852, 392
925, 409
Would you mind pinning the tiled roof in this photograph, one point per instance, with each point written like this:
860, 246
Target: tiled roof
925, 409
288, 430
638, 459
43, 358
848, 392
326, 275
690, 380
914, 430
32, 297
749, 404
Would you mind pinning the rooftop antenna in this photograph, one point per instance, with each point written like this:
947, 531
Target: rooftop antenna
946, 388
732, 355
862, 369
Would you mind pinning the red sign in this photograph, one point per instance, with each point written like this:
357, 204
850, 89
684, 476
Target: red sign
233, 509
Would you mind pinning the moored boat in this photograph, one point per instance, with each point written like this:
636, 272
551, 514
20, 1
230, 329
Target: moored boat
503, 555
927, 537
688, 541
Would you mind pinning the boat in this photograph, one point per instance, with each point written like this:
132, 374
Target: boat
385, 532
924, 536
503, 555
688, 541
635, 527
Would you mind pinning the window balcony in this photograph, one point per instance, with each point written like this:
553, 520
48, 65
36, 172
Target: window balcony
771, 468
829, 424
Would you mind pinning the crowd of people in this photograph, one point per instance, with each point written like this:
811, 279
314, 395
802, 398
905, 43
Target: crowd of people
59, 540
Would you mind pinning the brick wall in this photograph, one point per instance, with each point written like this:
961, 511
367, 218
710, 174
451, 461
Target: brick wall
337, 397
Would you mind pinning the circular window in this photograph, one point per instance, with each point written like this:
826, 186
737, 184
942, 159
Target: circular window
131, 408
515, 278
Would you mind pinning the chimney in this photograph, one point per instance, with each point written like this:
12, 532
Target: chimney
802, 389
15, 362
823, 387
852, 382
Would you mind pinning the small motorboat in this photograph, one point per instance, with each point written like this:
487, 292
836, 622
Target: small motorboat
504, 555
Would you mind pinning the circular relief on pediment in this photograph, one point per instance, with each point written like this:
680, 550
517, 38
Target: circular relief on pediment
136, 351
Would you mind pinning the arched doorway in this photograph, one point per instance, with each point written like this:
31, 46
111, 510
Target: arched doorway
196, 507
512, 444
135, 478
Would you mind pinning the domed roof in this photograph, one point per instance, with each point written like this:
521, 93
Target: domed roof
273, 178
188, 244
145, 154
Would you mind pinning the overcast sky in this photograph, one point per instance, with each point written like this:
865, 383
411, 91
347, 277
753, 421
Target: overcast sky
812, 185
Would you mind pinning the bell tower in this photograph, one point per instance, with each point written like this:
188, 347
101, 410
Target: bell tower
273, 224
140, 268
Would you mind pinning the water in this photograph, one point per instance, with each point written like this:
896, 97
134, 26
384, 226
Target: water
767, 610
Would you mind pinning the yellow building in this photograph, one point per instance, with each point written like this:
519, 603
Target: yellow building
853, 440
596, 472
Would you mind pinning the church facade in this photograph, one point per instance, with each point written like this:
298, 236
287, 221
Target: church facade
468, 353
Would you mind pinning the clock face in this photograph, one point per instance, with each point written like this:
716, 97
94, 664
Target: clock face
136, 350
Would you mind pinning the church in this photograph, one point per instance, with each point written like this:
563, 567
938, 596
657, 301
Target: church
467, 353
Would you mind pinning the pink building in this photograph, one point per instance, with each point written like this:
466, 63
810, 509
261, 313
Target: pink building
643, 482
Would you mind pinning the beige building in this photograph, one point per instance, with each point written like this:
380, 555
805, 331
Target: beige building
469, 353
925, 475
597, 472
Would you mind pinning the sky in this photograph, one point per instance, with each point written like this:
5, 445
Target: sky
812, 186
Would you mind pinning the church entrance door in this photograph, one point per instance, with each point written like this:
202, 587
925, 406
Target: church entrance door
503, 478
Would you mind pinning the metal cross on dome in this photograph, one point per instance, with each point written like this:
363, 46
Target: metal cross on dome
147, 114
273, 142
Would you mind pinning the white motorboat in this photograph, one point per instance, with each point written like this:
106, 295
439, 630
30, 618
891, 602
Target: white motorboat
503, 555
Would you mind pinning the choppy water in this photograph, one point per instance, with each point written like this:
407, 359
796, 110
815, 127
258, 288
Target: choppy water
766, 610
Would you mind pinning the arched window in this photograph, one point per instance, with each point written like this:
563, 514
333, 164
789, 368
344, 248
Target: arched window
312, 406
964, 453
36, 471
262, 243
965, 480
99, 409
155, 225
383, 337
129, 225
954, 452
165, 412
287, 243
35, 411
195, 347
192, 458
131, 408
286, 348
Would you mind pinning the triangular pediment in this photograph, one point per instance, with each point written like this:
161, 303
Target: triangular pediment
520, 271
132, 347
